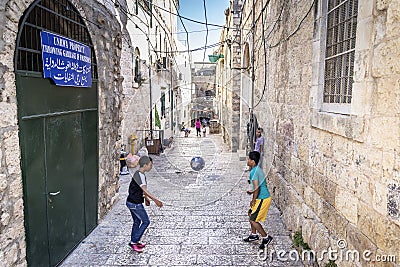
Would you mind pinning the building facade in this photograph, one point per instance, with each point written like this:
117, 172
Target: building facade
203, 79
153, 71
232, 81
326, 92
185, 85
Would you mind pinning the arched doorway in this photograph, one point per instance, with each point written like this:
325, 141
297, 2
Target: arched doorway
58, 138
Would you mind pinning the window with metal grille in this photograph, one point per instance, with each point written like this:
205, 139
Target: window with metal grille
57, 16
339, 54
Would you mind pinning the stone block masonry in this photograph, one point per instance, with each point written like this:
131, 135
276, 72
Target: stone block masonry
333, 175
107, 43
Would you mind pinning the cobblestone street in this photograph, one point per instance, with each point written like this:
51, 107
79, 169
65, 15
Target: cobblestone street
203, 219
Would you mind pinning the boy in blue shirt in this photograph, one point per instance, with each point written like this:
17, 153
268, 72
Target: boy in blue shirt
260, 202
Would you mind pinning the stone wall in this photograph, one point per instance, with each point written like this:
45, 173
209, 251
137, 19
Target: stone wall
226, 110
12, 237
231, 94
107, 43
333, 176
134, 114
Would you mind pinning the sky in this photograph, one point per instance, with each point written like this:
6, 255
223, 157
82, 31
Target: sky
194, 9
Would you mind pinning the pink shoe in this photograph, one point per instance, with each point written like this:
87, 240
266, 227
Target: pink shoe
136, 247
141, 245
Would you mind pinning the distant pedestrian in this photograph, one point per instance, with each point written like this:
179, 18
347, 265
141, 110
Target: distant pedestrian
184, 129
168, 142
260, 202
198, 127
138, 194
259, 144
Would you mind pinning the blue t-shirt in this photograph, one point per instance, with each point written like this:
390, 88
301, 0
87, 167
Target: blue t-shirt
257, 174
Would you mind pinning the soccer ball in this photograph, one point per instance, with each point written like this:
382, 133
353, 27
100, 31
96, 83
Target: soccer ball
197, 163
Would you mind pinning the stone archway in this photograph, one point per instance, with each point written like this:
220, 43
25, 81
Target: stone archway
58, 138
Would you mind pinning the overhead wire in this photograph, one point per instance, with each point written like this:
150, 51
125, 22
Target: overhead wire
79, 15
261, 15
264, 39
195, 49
176, 51
261, 42
170, 43
297, 28
186, 18
205, 15
189, 19
130, 15
252, 57
184, 32
238, 29
274, 25
184, 27
265, 58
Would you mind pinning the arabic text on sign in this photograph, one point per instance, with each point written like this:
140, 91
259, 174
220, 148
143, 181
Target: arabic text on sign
65, 61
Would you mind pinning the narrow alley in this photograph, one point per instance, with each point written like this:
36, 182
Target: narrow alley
203, 219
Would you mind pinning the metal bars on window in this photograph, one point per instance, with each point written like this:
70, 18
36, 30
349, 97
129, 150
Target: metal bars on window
339, 54
57, 16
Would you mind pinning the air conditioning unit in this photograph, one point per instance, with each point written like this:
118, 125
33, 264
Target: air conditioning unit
163, 63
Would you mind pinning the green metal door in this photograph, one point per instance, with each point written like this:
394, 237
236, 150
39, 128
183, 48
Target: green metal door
59, 166
58, 139
55, 192
65, 184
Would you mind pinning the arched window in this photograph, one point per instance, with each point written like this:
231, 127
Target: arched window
61, 18
138, 74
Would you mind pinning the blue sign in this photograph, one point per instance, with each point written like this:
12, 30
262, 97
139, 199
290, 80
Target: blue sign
65, 61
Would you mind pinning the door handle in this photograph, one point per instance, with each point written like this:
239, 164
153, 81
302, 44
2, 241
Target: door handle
54, 193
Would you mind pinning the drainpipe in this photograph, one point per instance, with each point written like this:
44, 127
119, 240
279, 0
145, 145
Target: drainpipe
252, 61
151, 101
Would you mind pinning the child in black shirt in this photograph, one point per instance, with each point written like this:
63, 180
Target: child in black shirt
138, 194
